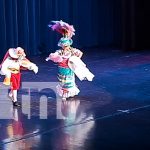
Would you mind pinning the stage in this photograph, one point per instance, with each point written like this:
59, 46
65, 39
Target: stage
112, 112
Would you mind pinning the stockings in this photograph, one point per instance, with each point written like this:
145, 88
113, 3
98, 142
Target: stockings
13, 95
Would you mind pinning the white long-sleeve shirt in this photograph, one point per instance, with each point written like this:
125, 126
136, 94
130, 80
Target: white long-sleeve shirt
9, 64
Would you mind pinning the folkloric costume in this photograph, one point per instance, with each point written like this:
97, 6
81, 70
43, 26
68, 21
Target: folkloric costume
69, 62
15, 60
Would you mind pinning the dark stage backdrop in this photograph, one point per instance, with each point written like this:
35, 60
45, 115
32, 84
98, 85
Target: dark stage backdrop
24, 23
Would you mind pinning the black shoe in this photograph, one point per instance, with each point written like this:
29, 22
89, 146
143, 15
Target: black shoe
16, 104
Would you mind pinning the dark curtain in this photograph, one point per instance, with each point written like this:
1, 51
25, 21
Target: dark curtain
135, 25
24, 23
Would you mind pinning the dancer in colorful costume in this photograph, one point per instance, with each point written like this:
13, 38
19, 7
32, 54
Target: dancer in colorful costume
69, 62
14, 61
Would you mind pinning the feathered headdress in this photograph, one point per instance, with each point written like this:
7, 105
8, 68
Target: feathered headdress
63, 28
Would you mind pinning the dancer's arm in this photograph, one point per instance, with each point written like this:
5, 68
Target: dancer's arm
55, 57
25, 63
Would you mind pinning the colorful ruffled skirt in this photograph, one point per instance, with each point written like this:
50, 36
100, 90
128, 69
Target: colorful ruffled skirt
67, 86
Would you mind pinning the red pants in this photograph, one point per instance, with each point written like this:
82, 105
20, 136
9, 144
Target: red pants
15, 81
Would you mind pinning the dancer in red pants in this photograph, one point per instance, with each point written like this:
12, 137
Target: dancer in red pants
15, 60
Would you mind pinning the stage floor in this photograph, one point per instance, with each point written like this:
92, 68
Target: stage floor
112, 112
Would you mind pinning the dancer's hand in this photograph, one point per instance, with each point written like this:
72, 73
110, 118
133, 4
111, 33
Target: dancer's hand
35, 69
47, 59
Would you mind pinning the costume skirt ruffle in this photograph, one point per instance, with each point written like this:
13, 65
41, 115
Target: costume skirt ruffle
66, 87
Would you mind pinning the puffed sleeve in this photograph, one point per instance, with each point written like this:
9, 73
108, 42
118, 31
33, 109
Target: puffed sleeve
4, 69
56, 57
